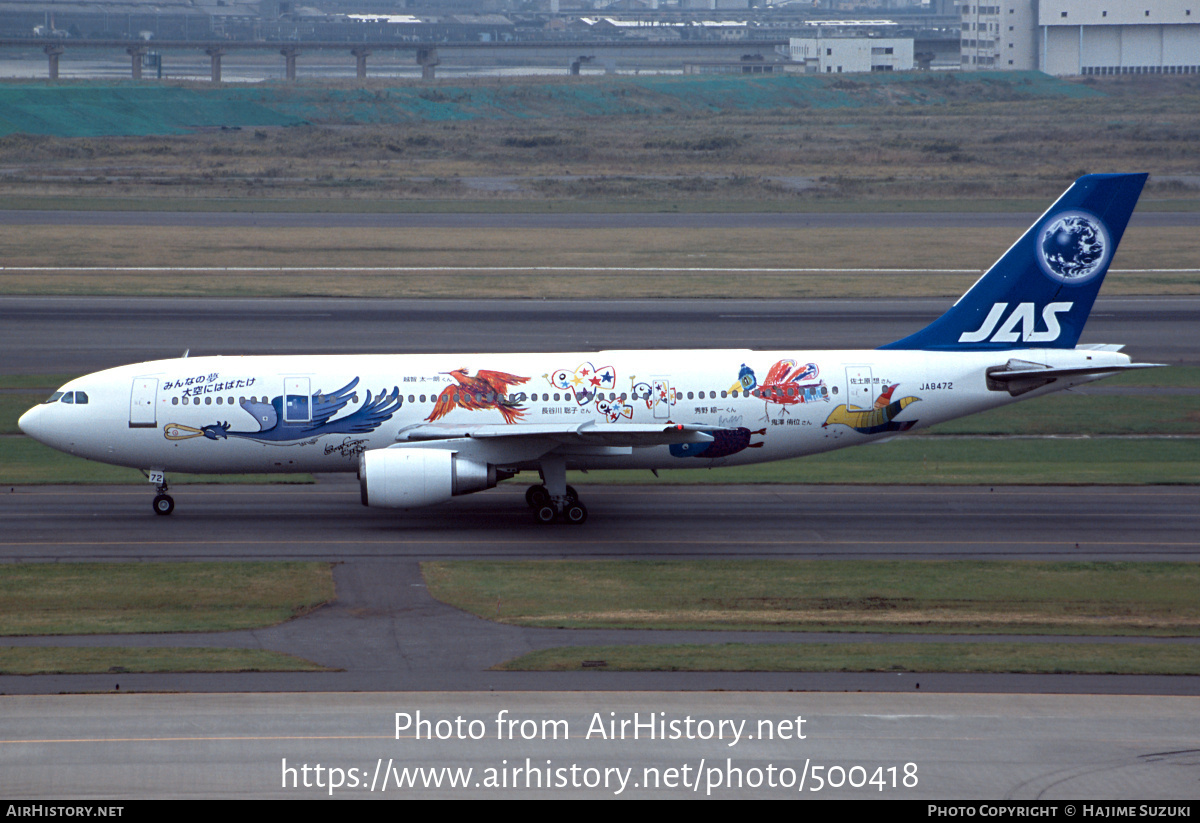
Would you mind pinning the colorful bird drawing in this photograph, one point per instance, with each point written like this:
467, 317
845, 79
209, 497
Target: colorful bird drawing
486, 390
746, 380
876, 420
782, 385
585, 381
275, 427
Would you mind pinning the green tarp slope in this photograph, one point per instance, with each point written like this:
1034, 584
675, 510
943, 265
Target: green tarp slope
81, 109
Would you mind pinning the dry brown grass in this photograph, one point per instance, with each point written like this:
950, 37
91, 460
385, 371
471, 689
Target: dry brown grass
506, 262
959, 149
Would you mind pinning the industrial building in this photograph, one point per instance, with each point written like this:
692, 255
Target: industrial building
837, 55
1088, 37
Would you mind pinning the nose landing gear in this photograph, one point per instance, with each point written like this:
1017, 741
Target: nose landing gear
163, 503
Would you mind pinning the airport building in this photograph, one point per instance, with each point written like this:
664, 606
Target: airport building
838, 55
1088, 37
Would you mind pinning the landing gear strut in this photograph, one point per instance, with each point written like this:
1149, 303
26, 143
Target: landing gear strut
163, 502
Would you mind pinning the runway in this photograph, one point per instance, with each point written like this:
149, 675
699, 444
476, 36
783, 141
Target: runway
1043, 751
516, 220
327, 521
386, 634
77, 335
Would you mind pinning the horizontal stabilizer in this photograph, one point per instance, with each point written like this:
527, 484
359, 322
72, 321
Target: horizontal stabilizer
1020, 376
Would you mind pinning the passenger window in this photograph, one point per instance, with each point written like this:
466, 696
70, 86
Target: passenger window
220, 401
174, 401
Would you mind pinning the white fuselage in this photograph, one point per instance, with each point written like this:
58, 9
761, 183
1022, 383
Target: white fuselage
272, 413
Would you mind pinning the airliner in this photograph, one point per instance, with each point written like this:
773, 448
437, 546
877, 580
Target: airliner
421, 429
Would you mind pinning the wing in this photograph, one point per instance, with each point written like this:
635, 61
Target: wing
325, 406
367, 418
500, 381
808, 371
589, 433
445, 403
779, 371
265, 414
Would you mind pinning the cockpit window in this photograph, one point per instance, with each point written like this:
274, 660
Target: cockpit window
67, 397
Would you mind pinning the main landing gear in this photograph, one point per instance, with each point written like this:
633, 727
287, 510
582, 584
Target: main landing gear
555, 502
163, 503
545, 510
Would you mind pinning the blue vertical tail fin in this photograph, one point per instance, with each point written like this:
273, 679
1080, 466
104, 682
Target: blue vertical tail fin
1039, 294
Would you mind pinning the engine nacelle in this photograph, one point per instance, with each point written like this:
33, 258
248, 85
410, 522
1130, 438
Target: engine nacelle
408, 478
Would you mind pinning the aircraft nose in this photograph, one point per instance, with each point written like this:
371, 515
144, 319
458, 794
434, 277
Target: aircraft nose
32, 423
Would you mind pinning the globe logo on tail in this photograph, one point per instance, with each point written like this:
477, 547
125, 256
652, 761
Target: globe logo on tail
1073, 247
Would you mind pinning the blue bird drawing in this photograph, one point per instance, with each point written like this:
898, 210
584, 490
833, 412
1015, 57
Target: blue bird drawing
273, 427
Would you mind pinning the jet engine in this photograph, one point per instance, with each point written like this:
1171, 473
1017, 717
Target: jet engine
407, 478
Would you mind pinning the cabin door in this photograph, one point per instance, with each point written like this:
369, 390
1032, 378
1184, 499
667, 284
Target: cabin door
663, 398
296, 407
859, 391
142, 402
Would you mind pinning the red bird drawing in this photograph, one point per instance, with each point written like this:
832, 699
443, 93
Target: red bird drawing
486, 390
782, 385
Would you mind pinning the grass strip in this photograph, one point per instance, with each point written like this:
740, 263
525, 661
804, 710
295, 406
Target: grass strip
924, 460
944, 461
41, 382
123, 660
927, 597
451, 263
1174, 376
25, 462
1023, 658
1085, 414
12, 406
120, 598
